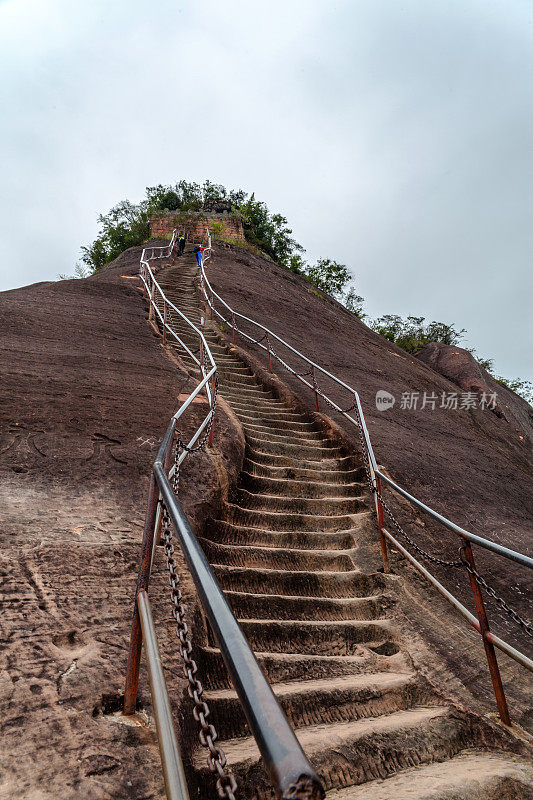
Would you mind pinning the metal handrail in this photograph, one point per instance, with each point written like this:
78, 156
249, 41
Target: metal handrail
288, 766
376, 476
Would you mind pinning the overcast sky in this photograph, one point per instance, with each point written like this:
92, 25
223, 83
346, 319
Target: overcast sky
396, 136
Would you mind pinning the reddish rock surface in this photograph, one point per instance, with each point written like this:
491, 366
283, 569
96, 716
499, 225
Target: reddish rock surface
86, 394
460, 367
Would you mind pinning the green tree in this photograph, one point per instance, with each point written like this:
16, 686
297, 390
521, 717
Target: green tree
413, 333
268, 232
128, 224
521, 387
354, 303
329, 276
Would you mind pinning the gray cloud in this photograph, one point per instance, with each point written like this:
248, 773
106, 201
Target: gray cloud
396, 137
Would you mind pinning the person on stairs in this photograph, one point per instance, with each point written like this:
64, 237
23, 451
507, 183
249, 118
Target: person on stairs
198, 252
181, 244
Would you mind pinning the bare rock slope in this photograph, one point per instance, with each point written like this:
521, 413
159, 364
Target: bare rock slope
86, 392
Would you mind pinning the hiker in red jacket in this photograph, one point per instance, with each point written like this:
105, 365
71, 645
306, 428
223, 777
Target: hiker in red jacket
199, 250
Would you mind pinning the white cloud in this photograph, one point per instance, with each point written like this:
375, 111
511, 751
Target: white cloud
395, 137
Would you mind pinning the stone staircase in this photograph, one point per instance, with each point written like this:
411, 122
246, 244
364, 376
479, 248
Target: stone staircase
285, 551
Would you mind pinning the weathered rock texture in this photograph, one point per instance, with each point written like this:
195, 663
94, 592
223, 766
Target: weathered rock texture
461, 368
86, 393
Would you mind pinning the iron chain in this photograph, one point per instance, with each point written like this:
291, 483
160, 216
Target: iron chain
500, 602
434, 559
526, 626
216, 759
332, 405
180, 444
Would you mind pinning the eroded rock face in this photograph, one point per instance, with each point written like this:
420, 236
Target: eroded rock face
85, 397
461, 368
456, 364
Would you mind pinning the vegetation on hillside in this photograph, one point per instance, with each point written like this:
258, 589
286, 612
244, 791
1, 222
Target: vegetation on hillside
413, 333
128, 224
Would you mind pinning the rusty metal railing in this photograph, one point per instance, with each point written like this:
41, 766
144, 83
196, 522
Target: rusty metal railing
291, 773
251, 331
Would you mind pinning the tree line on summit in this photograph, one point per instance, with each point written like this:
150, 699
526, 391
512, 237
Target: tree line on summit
128, 224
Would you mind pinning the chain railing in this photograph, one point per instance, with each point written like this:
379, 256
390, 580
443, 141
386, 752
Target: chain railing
302, 368
290, 771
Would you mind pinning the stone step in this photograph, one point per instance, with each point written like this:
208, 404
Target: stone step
302, 452
262, 606
280, 667
308, 584
344, 472
285, 487
276, 558
248, 393
286, 521
228, 533
317, 637
322, 701
260, 457
249, 413
472, 775
293, 437
322, 505
241, 380
277, 426
352, 753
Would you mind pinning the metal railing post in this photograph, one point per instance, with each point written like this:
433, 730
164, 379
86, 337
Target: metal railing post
315, 388
233, 321
490, 653
159, 513
134, 653
151, 310
268, 348
164, 322
212, 429
381, 525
